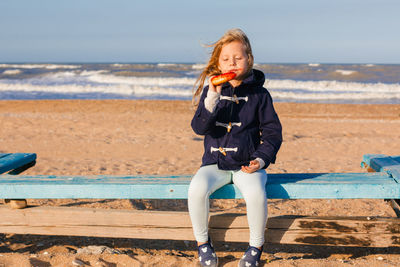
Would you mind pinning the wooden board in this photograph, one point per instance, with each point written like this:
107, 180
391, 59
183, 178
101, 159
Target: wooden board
379, 162
345, 231
280, 186
383, 163
13, 161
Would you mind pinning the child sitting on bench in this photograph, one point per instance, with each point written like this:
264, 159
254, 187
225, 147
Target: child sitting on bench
242, 137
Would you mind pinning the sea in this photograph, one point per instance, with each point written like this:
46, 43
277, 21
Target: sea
305, 83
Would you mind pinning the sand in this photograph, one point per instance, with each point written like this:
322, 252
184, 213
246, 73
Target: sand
122, 137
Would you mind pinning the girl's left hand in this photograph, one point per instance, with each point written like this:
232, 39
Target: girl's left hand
253, 166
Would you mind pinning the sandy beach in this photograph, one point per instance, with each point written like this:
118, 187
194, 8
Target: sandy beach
128, 137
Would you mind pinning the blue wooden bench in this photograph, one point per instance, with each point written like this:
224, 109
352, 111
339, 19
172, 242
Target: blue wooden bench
378, 185
354, 231
16, 163
385, 164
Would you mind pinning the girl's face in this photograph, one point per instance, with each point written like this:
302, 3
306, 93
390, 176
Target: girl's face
233, 58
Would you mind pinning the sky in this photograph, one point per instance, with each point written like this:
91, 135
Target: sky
281, 31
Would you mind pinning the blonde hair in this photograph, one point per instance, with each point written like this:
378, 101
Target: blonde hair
211, 69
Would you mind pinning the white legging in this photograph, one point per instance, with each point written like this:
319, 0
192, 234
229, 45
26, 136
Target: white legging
252, 186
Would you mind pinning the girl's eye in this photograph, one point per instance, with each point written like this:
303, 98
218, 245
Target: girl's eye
238, 58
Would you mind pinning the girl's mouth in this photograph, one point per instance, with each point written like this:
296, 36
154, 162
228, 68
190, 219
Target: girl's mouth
235, 70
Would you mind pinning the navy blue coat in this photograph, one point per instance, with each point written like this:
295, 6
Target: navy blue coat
254, 130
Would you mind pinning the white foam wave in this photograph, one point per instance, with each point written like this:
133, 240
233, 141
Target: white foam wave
198, 66
12, 72
166, 65
333, 96
143, 81
133, 90
346, 72
67, 76
103, 82
336, 86
99, 82
119, 65
332, 90
39, 66
314, 64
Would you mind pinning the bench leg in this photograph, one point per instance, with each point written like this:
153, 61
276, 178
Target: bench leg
19, 203
395, 204
16, 203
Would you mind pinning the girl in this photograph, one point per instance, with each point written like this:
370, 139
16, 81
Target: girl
242, 137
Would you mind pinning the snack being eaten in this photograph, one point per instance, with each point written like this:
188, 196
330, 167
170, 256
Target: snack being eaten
223, 78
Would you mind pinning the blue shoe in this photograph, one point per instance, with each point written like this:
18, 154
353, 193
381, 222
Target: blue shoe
251, 257
207, 256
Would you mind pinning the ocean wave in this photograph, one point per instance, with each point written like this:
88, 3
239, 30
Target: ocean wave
166, 65
147, 81
40, 66
64, 77
12, 72
346, 72
333, 86
276, 94
105, 82
132, 90
198, 66
119, 65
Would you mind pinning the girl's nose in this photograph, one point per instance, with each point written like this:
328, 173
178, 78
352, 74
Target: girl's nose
232, 62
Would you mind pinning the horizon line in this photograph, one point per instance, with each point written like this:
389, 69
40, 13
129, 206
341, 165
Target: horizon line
187, 62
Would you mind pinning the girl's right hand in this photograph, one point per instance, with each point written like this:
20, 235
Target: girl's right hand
216, 89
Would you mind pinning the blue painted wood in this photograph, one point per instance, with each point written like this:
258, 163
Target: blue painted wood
13, 161
366, 161
394, 172
384, 163
280, 186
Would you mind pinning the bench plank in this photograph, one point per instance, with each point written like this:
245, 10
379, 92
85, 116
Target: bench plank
229, 227
379, 162
378, 185
383, 163
12, 161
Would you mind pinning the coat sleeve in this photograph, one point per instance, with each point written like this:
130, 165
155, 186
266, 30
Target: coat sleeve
203, 121
270, 130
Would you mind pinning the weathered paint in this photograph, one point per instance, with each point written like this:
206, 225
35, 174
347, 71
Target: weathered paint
280, 186
384, 163
379, 185
13, 161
